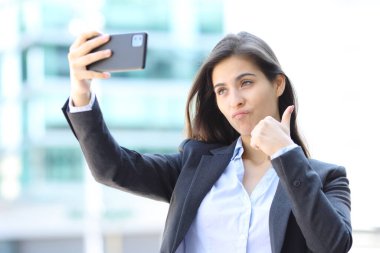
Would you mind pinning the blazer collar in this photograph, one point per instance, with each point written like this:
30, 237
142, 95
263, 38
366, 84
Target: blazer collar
209, 170
225, 150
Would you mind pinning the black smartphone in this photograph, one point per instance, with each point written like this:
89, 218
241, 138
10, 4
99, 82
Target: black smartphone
128, 53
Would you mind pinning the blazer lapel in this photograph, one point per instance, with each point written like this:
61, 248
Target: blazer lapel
208, 172
278, 218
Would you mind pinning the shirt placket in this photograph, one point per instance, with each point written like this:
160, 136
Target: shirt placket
246, 209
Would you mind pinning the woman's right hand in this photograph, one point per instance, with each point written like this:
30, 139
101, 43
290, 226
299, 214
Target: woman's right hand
79, 57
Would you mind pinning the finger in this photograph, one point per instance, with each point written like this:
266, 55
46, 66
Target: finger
89, 75
85, 48
91, 44
286, 116
84, 37
91, 58
253, 144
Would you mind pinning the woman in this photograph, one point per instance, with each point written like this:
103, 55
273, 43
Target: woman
243, 180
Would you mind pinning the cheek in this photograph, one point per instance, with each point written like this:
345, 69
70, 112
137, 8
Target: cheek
221, 106
270, 104
258, 98
265, 102
267, 95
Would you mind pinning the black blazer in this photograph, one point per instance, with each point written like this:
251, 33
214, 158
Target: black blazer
310, 210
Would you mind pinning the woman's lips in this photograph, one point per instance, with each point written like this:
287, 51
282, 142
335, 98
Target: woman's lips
239, 114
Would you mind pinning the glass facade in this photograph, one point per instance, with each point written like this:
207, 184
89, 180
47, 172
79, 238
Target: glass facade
45, 76
42, 169
48, 200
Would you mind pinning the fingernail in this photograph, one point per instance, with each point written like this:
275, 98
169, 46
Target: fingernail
106, 75
105, 37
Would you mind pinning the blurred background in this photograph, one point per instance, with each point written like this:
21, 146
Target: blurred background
48, 200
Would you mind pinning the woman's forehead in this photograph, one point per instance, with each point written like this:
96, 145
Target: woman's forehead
233, 67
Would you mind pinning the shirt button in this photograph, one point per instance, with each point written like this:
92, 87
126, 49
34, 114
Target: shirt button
297, 183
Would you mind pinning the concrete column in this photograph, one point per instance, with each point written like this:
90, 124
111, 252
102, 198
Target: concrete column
184, 30
10, 102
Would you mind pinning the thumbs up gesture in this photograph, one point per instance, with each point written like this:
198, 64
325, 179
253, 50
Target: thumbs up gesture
270, 135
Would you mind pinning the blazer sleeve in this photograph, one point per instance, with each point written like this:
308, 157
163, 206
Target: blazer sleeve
149, 175
320, 199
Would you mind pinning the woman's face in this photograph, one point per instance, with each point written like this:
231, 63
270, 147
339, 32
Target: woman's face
243, 93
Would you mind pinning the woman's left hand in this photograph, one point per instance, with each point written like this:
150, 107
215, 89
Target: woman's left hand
270, 135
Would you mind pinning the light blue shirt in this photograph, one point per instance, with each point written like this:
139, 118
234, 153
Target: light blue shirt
88, 107
228, 219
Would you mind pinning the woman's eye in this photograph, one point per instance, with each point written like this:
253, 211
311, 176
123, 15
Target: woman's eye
221, 91
246, 82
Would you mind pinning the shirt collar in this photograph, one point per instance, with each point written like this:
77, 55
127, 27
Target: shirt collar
238, 151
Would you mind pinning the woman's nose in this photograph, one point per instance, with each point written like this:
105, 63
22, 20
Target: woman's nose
236, 99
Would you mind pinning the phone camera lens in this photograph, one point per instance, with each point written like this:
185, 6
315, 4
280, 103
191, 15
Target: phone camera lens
137, 40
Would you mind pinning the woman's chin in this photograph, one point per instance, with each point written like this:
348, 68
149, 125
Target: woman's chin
243, 129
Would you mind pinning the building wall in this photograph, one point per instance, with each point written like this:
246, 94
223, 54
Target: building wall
48, 199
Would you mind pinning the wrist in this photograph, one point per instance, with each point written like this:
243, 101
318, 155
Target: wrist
80, 99
283, 150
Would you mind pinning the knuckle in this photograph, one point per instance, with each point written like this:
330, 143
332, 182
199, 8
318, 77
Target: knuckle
75, 75
74, 64
70, 56
71, 48
259, 127
268, 118
264, 122
83, 35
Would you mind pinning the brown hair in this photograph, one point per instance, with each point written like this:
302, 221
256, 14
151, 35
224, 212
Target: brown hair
204, 121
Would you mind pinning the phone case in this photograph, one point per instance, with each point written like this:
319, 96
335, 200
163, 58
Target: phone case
128, 53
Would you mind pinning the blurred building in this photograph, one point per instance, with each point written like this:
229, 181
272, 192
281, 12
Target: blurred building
48, 200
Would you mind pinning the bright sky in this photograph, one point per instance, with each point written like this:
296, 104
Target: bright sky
330, 50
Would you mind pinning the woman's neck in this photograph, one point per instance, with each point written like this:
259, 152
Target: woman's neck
256, 164
256, 156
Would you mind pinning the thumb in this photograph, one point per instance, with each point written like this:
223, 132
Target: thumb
286, 116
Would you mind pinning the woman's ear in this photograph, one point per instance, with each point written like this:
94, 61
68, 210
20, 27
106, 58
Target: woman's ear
280, 83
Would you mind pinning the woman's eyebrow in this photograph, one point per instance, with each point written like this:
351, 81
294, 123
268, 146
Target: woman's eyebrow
219, 84
240, 76
243, 75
